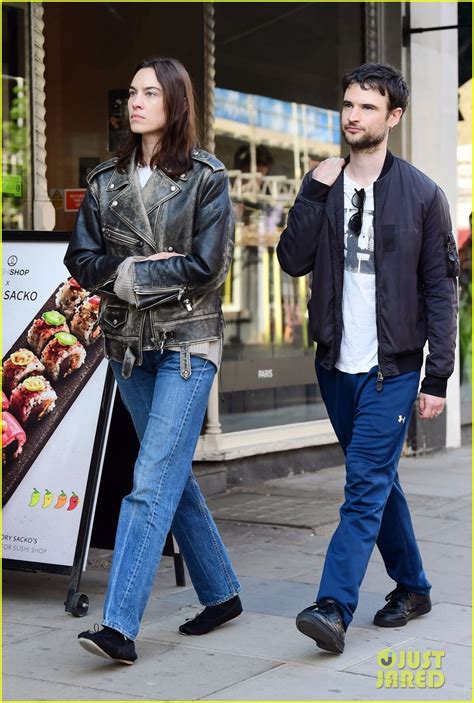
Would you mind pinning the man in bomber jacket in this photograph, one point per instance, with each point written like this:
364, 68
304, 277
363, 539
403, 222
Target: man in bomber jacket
376, 235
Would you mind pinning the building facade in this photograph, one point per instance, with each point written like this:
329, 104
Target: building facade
267, 79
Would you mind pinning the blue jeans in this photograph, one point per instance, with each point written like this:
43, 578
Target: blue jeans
167, 412
371, 427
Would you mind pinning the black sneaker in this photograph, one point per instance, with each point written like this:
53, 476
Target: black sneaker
109, 644
212, 616
402, 606
323, 622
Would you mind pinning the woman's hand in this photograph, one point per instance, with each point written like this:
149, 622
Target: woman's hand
162, 255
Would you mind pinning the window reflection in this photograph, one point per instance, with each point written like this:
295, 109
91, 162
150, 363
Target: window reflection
16, 170
267, 375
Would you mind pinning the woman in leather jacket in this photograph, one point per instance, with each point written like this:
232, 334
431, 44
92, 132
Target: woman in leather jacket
154, 239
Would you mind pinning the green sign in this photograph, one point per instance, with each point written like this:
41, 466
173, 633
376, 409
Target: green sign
12, 185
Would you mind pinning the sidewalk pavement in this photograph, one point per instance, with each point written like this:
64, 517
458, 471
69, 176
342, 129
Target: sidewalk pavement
277, 533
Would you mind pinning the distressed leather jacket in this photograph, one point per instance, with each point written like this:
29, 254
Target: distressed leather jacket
190, 215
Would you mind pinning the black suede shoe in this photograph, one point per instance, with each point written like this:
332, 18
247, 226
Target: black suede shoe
323, 622
212, 616
402, 606
109, 644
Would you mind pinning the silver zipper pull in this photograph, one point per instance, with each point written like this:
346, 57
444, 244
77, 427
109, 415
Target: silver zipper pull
186, 302
162, 342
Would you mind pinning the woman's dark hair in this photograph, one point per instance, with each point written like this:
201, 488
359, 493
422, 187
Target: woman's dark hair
382, 77
180, 134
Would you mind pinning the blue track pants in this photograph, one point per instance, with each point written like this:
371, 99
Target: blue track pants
371, 426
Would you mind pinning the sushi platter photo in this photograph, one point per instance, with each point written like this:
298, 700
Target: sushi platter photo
43, 373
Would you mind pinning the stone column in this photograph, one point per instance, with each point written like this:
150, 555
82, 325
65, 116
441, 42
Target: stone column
434, 117
213, 426
44, 215
210, 75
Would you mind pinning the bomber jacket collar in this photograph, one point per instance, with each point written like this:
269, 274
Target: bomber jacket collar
336, 195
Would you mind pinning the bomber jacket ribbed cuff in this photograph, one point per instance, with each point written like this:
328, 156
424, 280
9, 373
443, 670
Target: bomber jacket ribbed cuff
434, 385
316, 191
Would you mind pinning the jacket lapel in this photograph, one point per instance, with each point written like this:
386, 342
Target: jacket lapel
158, 189
133, 204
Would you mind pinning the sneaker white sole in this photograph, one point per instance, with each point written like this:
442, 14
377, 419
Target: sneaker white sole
94, 648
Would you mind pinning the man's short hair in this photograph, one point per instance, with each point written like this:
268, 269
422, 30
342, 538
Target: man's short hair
382, 77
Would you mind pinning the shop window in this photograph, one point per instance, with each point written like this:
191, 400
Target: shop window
16, 150
278, 72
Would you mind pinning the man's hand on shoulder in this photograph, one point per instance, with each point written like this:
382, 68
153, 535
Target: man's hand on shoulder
430, 406
328, 170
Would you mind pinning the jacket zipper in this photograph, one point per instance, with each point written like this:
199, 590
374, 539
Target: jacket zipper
175, 294
380, 377
100, 285
121, 237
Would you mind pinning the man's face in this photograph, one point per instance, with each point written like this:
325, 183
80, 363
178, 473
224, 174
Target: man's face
365, 118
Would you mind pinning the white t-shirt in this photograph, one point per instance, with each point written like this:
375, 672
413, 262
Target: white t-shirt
359, 333
144, 173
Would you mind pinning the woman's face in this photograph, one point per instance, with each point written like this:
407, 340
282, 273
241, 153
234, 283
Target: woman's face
146, 105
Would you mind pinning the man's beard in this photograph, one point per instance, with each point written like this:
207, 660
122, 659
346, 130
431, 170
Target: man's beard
367, 143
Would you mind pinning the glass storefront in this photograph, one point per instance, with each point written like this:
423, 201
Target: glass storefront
276, 104
16, 128
276, 116
267, 373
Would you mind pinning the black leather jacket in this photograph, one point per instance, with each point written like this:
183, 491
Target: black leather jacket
191, 215
416, 265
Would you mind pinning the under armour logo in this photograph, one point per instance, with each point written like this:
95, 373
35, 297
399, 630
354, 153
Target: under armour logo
401, 418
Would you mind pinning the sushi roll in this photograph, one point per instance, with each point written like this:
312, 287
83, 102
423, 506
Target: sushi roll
5, 402
62, 355
32, 399
13, 437
18, 366
69, 296
44, 328
85, 322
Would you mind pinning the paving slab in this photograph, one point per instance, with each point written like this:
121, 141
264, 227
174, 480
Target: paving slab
17, 632
277, 563
302, 682
35, 598
260, 655
157, 675
21, 688
441, 507
272, 509
278, 639
446, 623
456, 533
456, 666
449, 558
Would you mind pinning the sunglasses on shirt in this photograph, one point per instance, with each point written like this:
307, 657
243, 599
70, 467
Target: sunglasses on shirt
355, 221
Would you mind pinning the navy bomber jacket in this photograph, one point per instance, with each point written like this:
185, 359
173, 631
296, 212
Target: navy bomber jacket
416, 265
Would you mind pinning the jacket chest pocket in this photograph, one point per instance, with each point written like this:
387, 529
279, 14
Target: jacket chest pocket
128, 240
114, 317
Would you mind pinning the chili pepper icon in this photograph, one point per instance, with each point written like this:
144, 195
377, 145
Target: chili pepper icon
62, 498
73, 501
48, 499
34, 500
